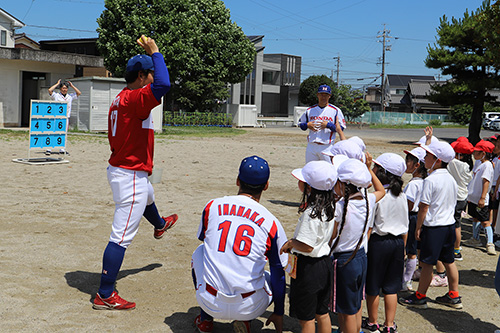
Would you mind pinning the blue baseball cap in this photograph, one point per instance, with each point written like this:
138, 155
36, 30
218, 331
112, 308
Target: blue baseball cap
140, 62
324, 89
254, 170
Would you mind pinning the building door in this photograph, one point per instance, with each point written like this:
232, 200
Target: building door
32, 81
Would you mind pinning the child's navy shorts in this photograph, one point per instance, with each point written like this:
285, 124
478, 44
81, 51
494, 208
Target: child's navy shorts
437, 243
385, 264
348, 282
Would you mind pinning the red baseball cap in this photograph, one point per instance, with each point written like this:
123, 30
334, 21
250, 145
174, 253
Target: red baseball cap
485, 146
462, 146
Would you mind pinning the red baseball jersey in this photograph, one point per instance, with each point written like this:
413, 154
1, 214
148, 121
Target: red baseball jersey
130, 129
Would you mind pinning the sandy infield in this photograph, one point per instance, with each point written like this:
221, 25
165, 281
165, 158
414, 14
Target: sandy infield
56, 219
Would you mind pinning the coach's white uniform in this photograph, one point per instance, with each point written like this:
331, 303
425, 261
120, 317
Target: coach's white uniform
318, 141
239, 235
68, 99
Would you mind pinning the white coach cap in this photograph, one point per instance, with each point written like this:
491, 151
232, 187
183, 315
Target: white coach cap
320, 175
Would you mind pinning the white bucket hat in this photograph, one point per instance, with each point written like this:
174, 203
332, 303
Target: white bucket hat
358, 141
418, 152
423, 139
391, 162
442, 150
345, 147
320, 175
354, 172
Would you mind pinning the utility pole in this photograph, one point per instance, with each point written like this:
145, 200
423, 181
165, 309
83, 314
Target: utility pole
385, 39
338, 68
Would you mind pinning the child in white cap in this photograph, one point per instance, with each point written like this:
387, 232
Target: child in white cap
387, 242
436, 227
416, 167
310, 289
353, 218
348, 148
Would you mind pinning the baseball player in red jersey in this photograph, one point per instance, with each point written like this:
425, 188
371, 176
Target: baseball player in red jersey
239, 236
131, 137
323, 120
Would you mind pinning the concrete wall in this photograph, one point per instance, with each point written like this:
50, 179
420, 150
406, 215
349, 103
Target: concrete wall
11, 84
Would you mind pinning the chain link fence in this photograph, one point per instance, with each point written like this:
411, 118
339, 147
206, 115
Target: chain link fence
401, 118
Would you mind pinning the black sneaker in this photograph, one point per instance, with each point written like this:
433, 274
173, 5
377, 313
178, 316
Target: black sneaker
455, 303
365, 324
389, 329
413, 301
458, 256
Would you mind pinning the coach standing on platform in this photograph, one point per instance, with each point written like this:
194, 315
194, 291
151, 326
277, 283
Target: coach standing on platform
131, 137
239, 237
322, 120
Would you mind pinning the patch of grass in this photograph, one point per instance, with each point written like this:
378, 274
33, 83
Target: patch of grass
7, 135
402, 126
200, 131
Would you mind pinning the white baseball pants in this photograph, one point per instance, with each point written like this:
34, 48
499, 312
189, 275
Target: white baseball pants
313, 152
132, 192
228, 307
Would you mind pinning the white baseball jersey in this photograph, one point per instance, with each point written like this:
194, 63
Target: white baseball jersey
239, 235
318, 114
61, 98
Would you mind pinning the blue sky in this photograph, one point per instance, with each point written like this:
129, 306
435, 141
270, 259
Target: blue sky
315, 30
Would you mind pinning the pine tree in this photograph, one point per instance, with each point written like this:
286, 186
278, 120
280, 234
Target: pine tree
461, 51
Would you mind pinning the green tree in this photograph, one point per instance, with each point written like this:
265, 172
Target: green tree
461, 50
309, 88
203, 49
460, 113
351, 102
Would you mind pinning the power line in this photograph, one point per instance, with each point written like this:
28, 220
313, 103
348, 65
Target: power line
81, 1
31, 4
58, 28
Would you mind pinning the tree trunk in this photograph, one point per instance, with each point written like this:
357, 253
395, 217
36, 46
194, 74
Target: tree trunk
476, 119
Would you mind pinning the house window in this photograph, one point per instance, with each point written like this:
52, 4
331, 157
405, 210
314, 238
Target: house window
400, 91
3, 40
267, 77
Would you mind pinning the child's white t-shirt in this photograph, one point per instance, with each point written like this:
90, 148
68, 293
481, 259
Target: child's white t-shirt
314, 233
463, 175
413, 190
354, 223
481, 171
391, 215
440, 194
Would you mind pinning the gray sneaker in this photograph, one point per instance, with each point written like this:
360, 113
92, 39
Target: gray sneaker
413, 301
455, 303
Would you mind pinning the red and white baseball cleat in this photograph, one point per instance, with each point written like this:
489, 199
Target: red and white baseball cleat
241, 326
114, 302
169, 223
206, 326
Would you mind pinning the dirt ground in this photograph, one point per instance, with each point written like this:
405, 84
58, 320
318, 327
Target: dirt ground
55, 222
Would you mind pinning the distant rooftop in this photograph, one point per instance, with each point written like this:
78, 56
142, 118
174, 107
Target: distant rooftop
398, 80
